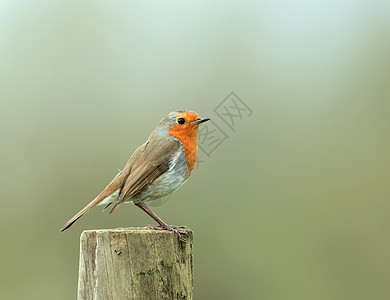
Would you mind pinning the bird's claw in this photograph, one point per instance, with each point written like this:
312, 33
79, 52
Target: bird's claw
169, 228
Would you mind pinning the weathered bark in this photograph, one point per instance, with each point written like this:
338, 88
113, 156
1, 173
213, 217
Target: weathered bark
135, 263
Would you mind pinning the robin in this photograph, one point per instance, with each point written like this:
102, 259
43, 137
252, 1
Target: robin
156, 168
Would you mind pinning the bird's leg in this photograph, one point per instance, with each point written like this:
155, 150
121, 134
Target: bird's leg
163, 225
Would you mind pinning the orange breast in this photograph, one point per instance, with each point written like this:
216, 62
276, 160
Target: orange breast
188, 138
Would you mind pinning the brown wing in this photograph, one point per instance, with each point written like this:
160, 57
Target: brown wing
149, 162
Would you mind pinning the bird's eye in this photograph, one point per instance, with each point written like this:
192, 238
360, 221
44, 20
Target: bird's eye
181, 121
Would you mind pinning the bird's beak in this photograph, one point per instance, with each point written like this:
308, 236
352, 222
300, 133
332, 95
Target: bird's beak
200, 120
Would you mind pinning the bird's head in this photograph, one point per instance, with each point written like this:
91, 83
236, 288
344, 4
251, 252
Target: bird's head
181, 125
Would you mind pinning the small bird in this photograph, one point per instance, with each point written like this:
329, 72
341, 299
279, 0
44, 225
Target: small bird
156, 168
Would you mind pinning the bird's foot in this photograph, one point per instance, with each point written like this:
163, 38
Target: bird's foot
175, 229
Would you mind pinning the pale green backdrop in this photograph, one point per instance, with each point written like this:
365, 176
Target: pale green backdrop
294, 204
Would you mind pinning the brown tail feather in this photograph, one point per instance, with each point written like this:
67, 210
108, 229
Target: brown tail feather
114, 185
83, 211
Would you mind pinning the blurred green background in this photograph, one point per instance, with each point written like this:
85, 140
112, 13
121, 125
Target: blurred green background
293, 205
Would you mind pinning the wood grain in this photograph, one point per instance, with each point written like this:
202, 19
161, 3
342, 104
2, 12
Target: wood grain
135, 263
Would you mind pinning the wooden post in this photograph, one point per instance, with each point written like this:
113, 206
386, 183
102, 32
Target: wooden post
135, 263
